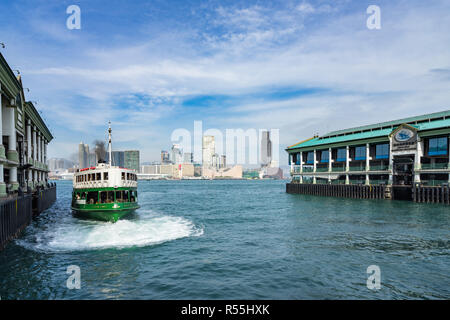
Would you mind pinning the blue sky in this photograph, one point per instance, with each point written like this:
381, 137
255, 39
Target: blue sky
150, 67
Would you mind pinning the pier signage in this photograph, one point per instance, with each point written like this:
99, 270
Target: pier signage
404, 138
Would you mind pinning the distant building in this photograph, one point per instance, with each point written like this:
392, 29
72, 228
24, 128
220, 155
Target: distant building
118, 158
165, 158
266, 148
176, 154
188, 157
92, 160
131, 159
208, 151
223, 161
59, 164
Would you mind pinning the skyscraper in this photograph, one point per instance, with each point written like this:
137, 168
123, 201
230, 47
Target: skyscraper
131, 159
188, 157
177, 155
165, 158
208, 150
266, 148
81, 162
118, 158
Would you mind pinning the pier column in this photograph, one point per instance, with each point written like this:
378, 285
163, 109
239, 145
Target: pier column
448, 143
391, 163
347, 159
417, 157
2, 148
367, 157
314, 161
330, 160
301, 162
12, 153
29, 178
367, 163
34, 145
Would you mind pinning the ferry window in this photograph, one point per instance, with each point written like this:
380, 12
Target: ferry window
128, 176
123, 175
99, 176
382, 151
126, 196
325, 156
119, 196
341, 155
83, 195
132, 196
103, 196
92, 197
110, 198
360, 153
93, 176
105, 175
437, 146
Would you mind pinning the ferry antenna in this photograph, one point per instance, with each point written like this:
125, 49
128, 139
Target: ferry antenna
109, 144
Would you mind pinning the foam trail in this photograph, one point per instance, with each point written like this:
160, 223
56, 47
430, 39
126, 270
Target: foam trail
74, 235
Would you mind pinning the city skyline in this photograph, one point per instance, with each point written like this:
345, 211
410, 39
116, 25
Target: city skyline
232, 65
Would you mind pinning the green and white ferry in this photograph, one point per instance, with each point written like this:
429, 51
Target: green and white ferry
105, 192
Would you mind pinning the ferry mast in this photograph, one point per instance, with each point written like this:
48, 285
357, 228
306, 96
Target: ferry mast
109, 144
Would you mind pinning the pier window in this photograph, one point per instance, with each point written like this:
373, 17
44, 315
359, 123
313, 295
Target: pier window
297, 158
341, 155
360, 153
310, 158
325, 156
382, 151
437, 146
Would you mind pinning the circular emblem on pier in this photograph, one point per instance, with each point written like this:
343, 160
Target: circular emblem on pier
404, 135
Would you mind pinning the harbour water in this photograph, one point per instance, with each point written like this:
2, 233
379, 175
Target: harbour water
233, 240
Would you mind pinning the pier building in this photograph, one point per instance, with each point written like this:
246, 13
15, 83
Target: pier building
409, 152
24, 187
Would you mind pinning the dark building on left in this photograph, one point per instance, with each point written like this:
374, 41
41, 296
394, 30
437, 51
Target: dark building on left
24, 187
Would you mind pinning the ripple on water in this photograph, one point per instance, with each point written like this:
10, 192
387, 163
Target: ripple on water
144, 230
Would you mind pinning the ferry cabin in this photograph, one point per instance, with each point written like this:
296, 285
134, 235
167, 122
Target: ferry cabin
408, 151
104, 188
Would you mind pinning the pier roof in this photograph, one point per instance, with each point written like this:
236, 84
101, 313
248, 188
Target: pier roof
380, 130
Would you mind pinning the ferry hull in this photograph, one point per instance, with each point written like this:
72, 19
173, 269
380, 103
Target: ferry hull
103, 215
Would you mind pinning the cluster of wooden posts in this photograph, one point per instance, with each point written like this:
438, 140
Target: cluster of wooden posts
439, 194
340, 190
417, 193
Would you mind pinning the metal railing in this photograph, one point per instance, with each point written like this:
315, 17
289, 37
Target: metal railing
434, 182
338, 169
426, 166
379, 168
15, 215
